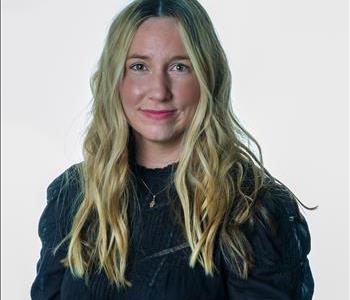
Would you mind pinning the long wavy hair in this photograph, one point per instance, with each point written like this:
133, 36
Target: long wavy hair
212, 168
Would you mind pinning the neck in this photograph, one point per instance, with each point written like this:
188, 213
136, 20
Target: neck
156, 155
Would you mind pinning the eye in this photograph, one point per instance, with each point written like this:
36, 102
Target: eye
132, 67
181, 67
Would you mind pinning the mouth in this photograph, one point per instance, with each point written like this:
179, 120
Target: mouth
158, 114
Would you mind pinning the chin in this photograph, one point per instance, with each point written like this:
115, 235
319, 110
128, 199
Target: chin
159, 138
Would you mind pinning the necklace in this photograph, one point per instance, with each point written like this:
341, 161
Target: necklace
153, 202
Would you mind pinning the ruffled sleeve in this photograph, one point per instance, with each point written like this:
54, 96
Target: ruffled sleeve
282, 269
53, 226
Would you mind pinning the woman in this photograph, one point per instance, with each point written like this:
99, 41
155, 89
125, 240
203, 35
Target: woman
169, 203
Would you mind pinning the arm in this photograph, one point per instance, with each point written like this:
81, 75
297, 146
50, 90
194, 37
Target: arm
52, 229
282, 268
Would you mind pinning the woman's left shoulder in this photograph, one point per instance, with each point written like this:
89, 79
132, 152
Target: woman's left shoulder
290, 230
282, 249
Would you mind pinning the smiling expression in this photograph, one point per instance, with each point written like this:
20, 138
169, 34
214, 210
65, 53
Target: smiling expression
159, 90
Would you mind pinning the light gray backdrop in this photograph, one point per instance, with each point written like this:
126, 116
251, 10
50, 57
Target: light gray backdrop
289, 62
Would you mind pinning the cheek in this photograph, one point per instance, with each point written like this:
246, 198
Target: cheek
189, 92
130, 92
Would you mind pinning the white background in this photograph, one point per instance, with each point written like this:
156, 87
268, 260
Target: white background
289, 62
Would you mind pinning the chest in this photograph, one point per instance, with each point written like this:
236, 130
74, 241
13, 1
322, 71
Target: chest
165, 275
158, 269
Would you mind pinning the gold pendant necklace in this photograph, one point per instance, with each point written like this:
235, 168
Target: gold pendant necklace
153, 202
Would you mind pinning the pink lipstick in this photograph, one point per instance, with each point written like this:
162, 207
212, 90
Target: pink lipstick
158, 114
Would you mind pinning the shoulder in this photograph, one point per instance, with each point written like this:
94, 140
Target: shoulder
281, 268
69, 179
63, 194
289, 235
275, 208
66, 188
65, 191
278, 238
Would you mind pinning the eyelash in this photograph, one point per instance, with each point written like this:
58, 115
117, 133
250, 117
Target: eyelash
182, 65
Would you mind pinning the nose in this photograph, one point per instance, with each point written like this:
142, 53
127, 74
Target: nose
159, 87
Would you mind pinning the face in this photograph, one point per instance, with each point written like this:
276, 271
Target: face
159, 91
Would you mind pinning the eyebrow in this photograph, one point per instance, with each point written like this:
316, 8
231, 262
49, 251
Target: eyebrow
145, 57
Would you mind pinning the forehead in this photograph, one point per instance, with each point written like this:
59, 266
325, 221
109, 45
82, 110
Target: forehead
158, 35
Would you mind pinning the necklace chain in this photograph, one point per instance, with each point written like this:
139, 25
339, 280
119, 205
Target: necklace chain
153, 202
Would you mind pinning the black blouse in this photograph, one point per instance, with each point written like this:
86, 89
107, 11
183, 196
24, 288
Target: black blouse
158, 264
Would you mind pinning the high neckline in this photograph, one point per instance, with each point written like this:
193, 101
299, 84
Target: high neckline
169, 166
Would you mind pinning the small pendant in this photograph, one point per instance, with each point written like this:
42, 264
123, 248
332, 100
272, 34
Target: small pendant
153, 202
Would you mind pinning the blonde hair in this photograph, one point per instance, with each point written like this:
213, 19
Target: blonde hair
213, 165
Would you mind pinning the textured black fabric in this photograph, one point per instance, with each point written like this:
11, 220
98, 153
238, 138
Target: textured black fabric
158, 265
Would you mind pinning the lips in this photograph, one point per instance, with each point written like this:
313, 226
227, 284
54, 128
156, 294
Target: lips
158, 114
158, 111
